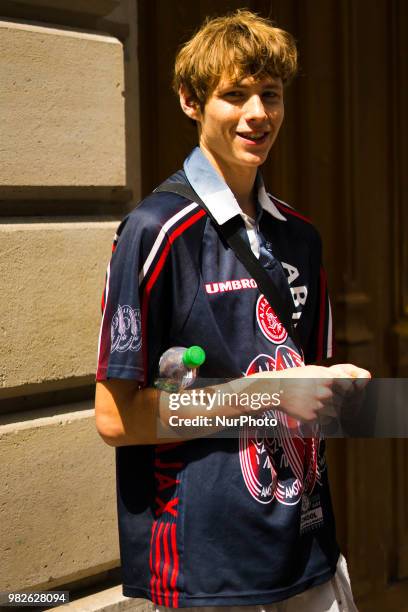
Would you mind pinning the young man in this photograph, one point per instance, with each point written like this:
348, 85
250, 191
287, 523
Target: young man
211, 521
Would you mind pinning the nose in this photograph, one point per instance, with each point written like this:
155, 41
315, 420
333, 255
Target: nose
255, 109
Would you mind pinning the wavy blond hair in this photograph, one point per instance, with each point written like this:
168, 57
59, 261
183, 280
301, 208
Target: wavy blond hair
235, 46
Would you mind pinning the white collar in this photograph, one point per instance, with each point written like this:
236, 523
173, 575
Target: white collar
216, 194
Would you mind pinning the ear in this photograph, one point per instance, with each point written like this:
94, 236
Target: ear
190, 107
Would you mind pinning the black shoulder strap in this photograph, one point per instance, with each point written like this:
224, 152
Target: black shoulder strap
230, 232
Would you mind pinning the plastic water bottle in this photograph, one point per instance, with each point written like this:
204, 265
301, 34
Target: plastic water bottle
178, 367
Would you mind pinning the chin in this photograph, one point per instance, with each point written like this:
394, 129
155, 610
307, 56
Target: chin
253, 157
254, 160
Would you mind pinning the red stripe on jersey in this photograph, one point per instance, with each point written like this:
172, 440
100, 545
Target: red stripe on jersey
163, 448
177, 232
104, 333
157, 566
154, 276
290, 211
103, 300
175, 572
165, 464
153, 578
166, 565
322, 315
160, 585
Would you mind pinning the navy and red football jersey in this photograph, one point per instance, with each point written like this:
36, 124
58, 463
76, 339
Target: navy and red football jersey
217, 521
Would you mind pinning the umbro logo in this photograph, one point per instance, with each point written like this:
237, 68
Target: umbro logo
231, 285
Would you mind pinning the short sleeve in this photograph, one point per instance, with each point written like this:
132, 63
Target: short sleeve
151, 282
121, 341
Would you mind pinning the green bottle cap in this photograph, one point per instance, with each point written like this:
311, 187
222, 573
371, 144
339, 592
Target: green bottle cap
193, 357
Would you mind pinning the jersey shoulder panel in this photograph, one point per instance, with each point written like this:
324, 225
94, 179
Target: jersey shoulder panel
159, 216
158, 208
299, 222
289, 211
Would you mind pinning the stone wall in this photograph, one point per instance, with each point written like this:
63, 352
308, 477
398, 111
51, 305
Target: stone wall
69, 171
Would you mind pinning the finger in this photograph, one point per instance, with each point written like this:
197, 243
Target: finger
324, 392
343, 386
362, 373
342, 370
349, 369
360, 383
327, 410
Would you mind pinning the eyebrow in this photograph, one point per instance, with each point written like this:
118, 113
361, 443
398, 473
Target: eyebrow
268, 85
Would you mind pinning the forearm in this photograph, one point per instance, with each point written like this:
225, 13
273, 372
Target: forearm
126, 415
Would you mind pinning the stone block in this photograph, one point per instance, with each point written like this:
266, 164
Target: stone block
52, 277
57, 503
62, 107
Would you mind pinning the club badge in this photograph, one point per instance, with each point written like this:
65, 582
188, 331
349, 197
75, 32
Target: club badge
126, 330
269, 323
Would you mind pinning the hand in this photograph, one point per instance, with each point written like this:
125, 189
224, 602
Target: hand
359, 376
313, 391
350, 391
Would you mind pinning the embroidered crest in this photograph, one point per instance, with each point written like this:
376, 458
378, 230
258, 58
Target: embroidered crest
126, 330
268, 321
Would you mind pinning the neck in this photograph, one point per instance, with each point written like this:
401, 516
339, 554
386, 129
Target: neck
240, 180
246, 201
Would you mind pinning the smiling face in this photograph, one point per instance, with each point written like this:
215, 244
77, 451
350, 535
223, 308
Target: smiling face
239, 123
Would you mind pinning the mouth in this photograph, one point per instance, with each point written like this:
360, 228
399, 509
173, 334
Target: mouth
253, 137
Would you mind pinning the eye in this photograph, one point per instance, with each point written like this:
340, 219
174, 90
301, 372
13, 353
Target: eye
233, 94
271, 94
